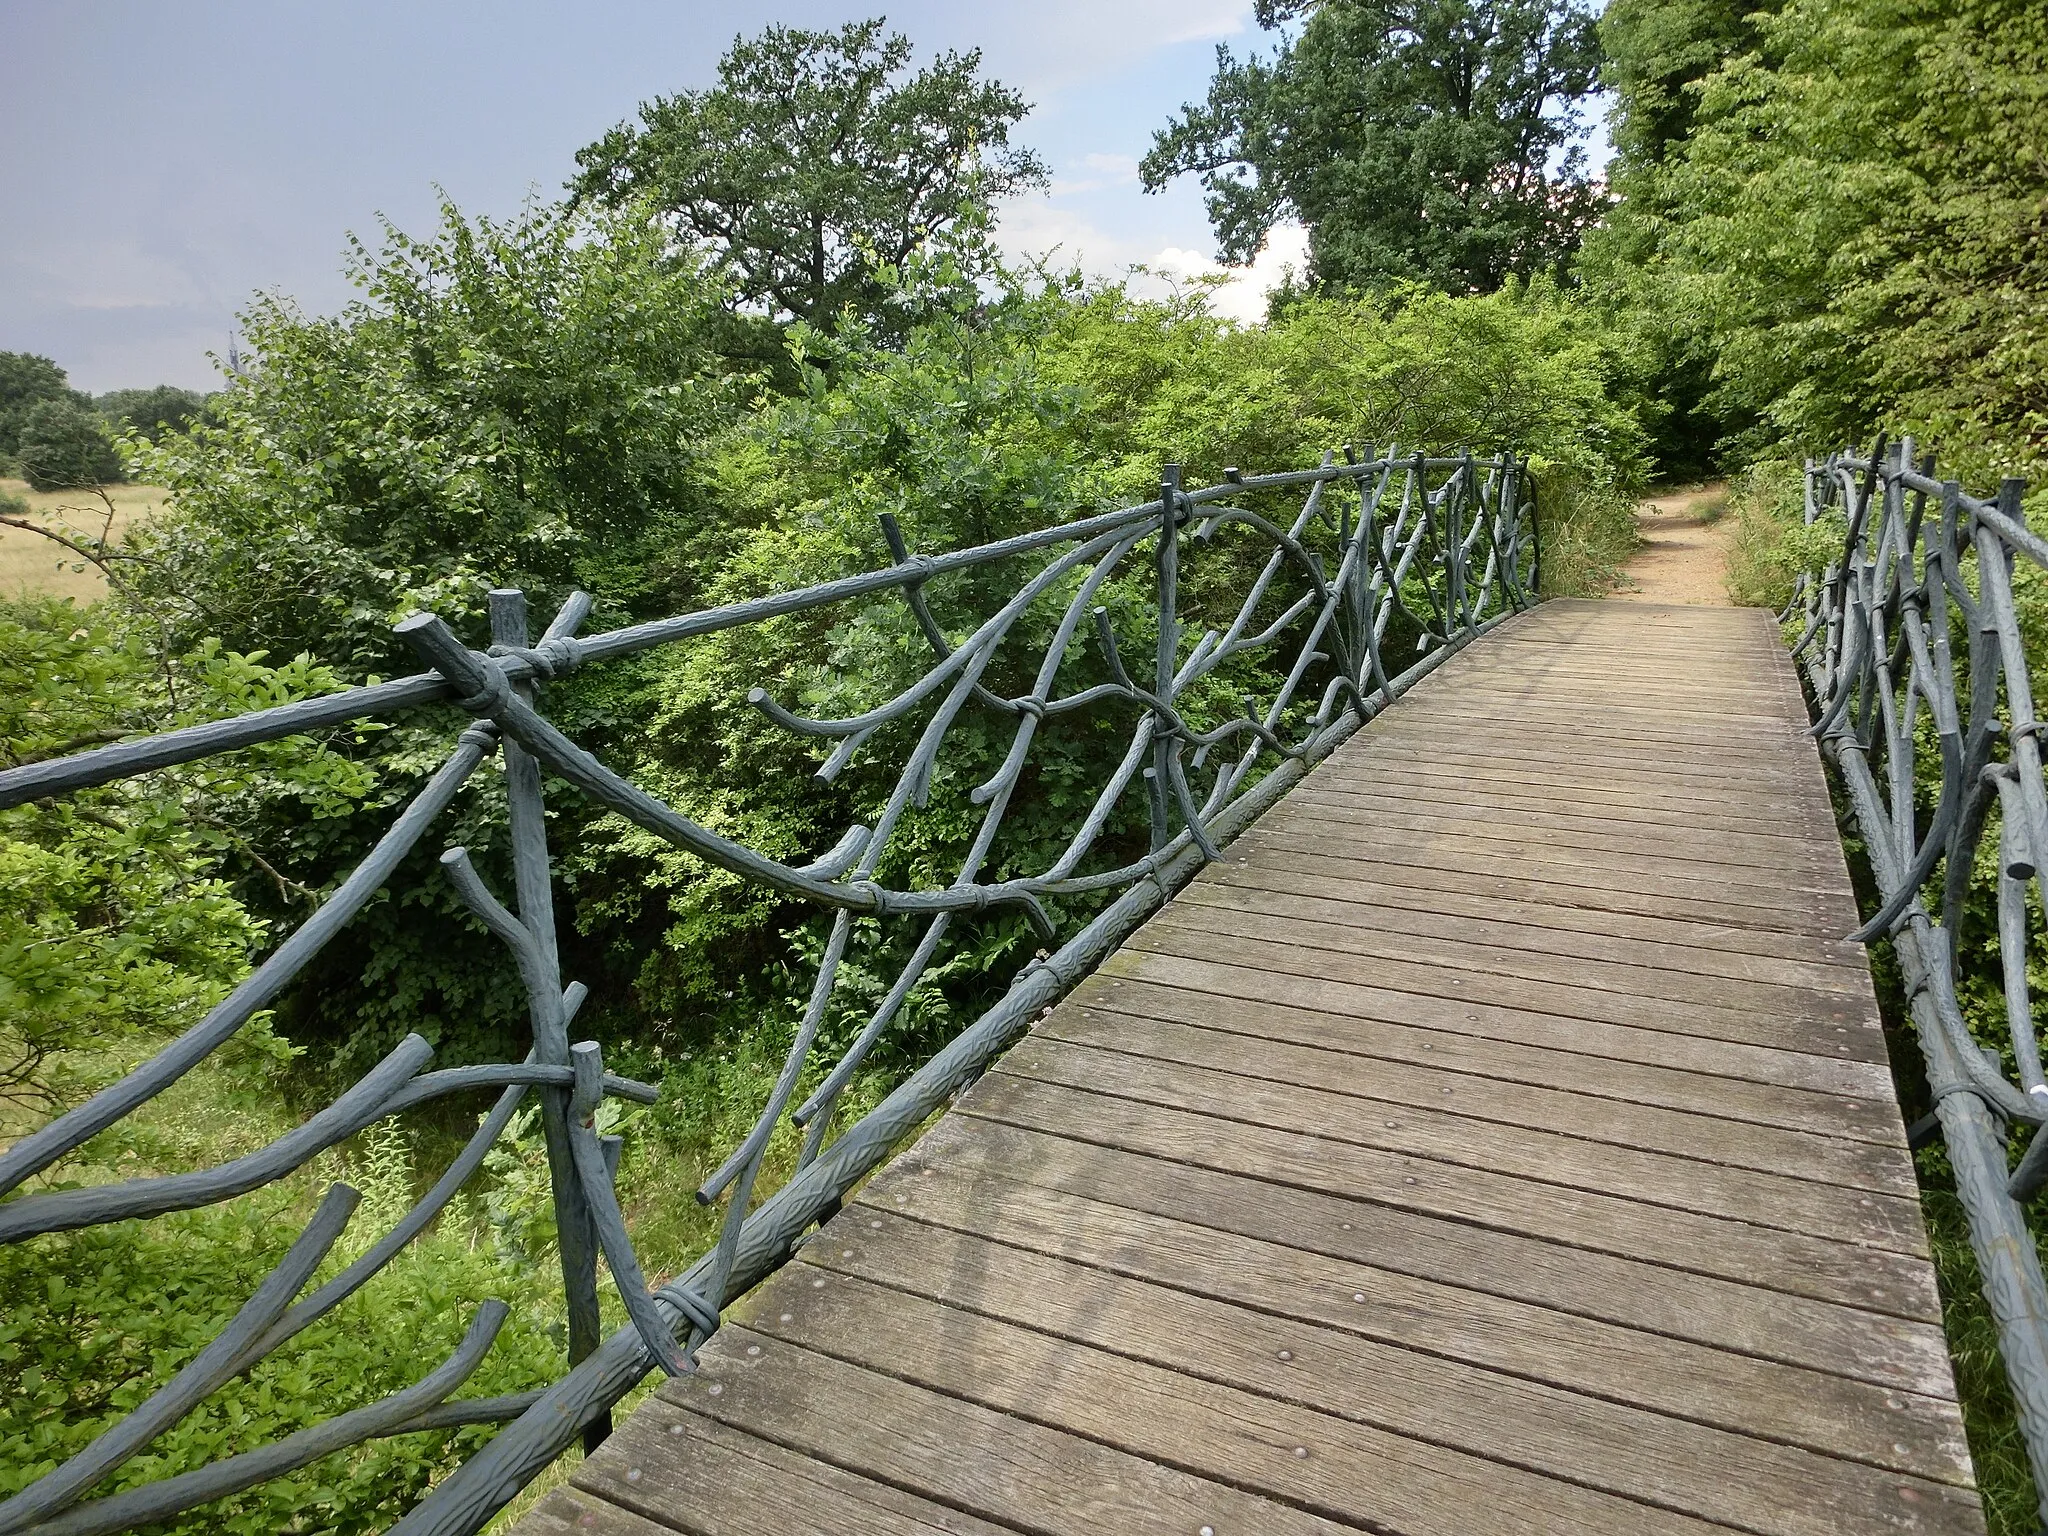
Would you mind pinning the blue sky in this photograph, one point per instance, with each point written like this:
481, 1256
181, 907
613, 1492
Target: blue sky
160, 163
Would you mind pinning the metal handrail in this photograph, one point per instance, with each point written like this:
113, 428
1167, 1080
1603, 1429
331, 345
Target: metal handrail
1446, 545
1900, 644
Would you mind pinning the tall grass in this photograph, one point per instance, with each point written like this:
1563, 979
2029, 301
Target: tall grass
1588, 531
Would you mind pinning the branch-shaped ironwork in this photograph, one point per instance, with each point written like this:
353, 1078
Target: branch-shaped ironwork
1436, 550
1926, 706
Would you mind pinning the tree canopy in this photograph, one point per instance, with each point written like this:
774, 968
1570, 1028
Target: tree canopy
816, 157
64, 445
26, 381
1418, 140
151, 411
1833, 213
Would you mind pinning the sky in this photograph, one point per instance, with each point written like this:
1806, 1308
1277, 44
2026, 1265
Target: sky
159, 164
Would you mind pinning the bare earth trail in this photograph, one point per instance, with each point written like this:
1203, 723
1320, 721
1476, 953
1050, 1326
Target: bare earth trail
1684, 556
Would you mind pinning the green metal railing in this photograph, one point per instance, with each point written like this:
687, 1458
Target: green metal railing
1426, 552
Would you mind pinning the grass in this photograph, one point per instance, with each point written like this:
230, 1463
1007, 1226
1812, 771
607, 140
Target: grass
1588, 533
1990, 1422
236, 1101
31, 563
1769, 548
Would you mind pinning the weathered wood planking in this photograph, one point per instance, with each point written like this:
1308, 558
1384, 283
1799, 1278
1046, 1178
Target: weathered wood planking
1497, 1140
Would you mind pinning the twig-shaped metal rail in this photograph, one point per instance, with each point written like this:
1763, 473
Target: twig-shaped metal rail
1379, 547
1911, 639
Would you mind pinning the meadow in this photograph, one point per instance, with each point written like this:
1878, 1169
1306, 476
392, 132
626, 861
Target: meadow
31, 563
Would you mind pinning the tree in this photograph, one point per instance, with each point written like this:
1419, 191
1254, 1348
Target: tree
816, 158
509, 403
151, 411
1656, 54
65, 446
1842, 221
26, 381
1431, 140
513, 402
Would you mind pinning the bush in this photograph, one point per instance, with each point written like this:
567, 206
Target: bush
65, 446
150, 412
1772, 544
26, 381
96, 1320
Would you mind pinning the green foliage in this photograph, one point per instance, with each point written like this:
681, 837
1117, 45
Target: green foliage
118, 920
1656, 52
1002, 409
816, 157
520, 404
151, 411
64, 445
547, 403
515, 403
96, 1320
26, 381
1773, 544
1841, 221
1430, 140
1998, 1454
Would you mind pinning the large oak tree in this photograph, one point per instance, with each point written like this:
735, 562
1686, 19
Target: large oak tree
1419, 140
816, 157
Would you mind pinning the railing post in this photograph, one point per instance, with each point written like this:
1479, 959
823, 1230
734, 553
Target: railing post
1166, 568
576, 1232
1468, 487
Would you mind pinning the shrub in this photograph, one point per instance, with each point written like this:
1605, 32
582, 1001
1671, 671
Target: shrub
65, 446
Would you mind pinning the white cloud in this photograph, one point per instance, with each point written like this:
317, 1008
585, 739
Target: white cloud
1041, 226
1105, 173
1243, 297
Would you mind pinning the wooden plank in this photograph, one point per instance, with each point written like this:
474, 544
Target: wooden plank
1702, 1470
1586, 1037
1692, 856
1372, 812
1632, 797
1630, 1293
1422, 890
1572, 760
1821, 1411
1300, 921
1594, 889
1346, 1471
1499, 1138
685, 1472
1686, 734
1753, 697
1790, 891
1695, 949
1567, 747
1814, 1032
1880, 1282
1826, 1119
1767, 1202
997, 1466
1701, 1132
1450, 792
1588, 906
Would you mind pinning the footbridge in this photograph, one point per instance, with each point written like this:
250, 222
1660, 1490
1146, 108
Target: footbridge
1442, 1090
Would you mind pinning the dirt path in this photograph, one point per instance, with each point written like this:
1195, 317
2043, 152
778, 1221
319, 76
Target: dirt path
1684, 558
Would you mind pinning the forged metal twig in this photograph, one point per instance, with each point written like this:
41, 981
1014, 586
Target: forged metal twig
1316, 595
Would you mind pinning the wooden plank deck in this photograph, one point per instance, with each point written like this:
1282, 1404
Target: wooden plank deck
1498, 1140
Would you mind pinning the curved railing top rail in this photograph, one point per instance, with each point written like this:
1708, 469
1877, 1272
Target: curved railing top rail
1423, 552
166, 749
1917, 652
